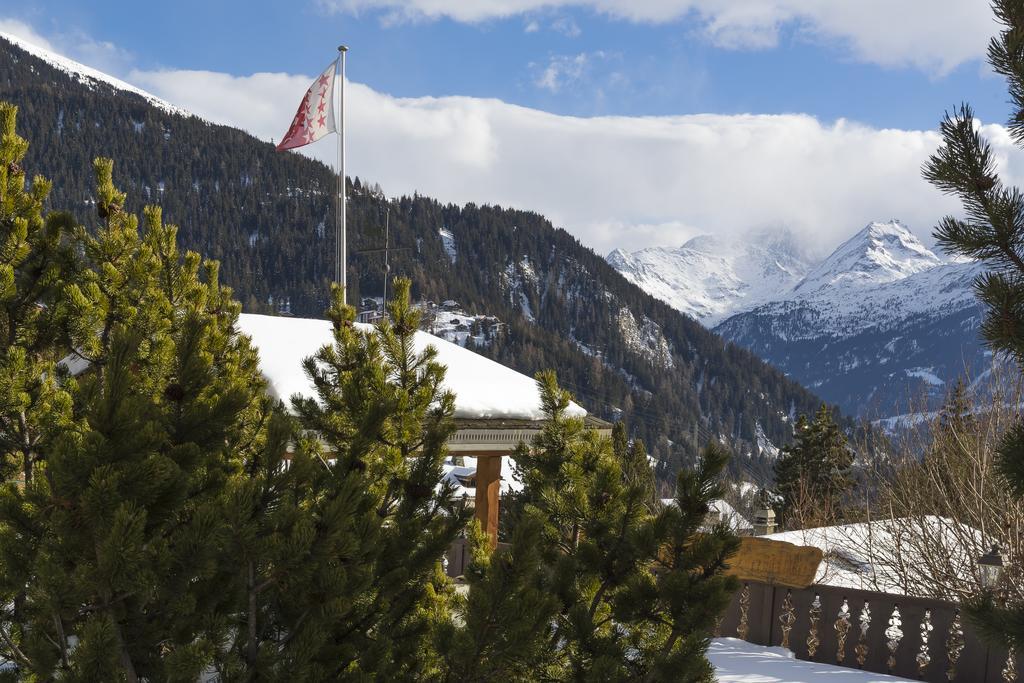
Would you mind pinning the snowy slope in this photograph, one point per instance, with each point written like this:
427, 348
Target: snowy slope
711, 277
88, 75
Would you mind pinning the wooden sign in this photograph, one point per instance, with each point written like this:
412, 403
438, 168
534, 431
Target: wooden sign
775, 562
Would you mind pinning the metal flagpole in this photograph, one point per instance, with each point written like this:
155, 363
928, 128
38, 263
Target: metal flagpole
341, 262
387, 268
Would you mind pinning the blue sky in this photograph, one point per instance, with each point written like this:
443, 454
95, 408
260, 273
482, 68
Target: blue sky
627, 67
630, 123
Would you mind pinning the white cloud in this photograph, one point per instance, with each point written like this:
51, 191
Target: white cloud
564, 69
934, 35
567, 27
25, 32
611, 181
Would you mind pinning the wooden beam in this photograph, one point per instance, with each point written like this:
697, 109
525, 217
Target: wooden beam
488, 489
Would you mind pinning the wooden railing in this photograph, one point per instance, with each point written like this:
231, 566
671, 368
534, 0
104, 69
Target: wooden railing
915, 638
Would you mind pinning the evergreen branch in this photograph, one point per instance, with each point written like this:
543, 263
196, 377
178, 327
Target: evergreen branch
15, 652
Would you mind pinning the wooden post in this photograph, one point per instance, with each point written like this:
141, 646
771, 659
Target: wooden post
488, 488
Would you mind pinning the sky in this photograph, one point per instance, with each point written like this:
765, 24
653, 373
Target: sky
629, 123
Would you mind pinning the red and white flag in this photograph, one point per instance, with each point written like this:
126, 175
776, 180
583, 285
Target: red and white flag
315, 117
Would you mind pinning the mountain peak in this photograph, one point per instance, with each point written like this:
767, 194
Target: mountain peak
712, 276
707, 243
878, 253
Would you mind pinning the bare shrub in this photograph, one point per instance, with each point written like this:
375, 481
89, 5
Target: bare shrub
939, 503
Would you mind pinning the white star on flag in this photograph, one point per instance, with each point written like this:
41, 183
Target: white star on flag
315, 117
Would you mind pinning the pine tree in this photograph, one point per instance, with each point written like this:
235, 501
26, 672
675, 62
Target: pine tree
161, 412
384, 418
276, 544
635, 589
956, 414
992, 232
506, 632
119, 500
636, 466
31, 399
813, 474
32, 258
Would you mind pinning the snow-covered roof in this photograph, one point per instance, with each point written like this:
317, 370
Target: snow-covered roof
727, 513
483, 388
868, 555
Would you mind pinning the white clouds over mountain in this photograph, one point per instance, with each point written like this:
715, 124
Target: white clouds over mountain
627, 182
612, 181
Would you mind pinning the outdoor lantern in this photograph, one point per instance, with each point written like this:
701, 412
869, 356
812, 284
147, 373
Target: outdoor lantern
991, 566
764, 518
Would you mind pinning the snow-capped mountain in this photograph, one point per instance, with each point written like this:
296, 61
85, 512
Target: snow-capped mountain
880, 325
878, 254
711, 277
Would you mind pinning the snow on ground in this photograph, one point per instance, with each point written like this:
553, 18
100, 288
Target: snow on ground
747, 488
737, 661
867, 555
483, 388
461, 476
88, 75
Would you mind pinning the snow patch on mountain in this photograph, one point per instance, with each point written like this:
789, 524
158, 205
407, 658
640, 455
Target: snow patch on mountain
765, 447
88, 75
645, 338
448, 243
460, 328
926, 374
517, 279
881, 291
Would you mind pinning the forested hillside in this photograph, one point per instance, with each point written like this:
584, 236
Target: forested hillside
268, 218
